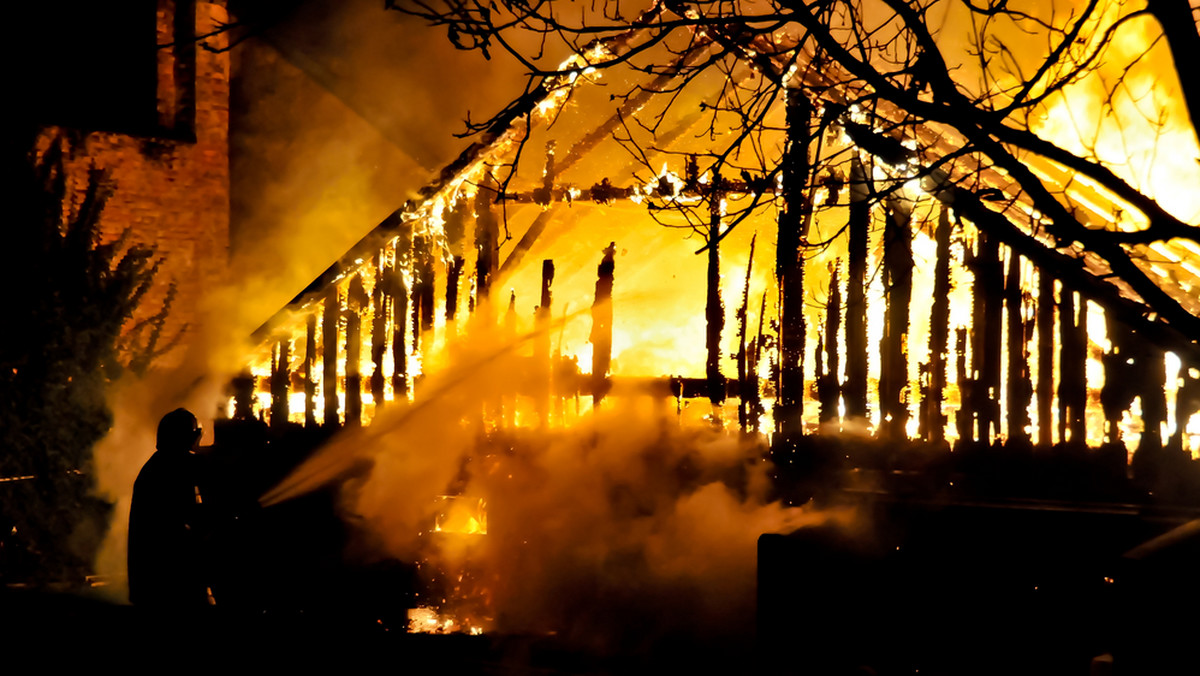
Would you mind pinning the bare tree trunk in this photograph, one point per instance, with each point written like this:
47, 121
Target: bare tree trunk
1045, 385
856, 298
329, 339
939, 333
789, 270
714, 309
897, 278
602, 317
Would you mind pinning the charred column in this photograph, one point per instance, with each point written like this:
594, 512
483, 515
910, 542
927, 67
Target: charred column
356, 300
1020, 386
329, 340
399, 289
827, 382
988, 291
1072, 384
714, 309
855, 390
310, 365
541, 345
602, 316
1120, 376
423, 287
744, 371
789, 268
964, 419
280, 376
380, 298
1045, 381
487, 239
456, 225
893, 355
933, 421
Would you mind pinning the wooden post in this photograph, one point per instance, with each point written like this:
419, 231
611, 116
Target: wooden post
423, 287
310, 366
280, 377
356, 300
380, 298
541, 349
939, 333
602, 317
329, 340
1072, 386
988, 290
855, 390
964, 417
399, 290
789, 269
1045, 381
828, 389
487, 238
714, 309
893, 355
1020, 387
743, 371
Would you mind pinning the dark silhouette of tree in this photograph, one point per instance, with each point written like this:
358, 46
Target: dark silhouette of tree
68, 334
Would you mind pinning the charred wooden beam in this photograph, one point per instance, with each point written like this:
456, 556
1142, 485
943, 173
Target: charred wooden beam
453, 279
987, 312
356, 300
329, 346
744, 374
310, 367
602, 317
714, 308
855, 389
398, 288
1045, 380
964, 417
1120, 375
280, 379
1072, 386
1020, 384
789, 268
933, 421
487, 239
828, 388
380, 300
541, 344
897, 280
423, 288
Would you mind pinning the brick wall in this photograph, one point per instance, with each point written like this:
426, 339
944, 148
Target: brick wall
172, 186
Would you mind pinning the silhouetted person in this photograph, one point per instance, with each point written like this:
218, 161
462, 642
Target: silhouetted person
167, 521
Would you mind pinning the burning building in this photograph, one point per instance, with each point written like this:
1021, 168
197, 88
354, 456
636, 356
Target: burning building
761, 234
929, 296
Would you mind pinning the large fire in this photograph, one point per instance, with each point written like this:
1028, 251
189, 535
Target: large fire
404, 326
